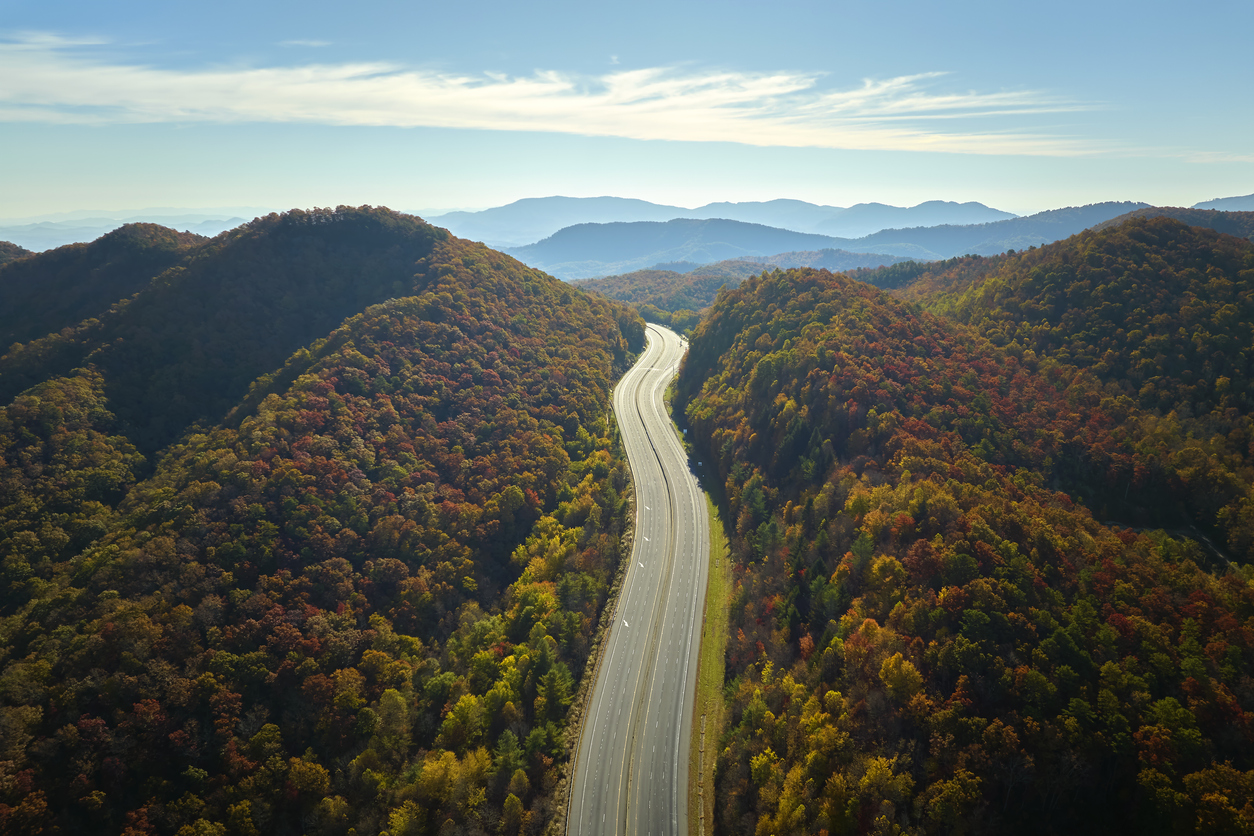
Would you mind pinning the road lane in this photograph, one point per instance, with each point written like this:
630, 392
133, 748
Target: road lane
631, 768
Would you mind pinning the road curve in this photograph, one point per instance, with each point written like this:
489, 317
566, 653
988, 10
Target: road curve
631, 768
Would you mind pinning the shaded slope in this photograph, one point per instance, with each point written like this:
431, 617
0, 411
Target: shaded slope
60, 288
925, 636
187, 346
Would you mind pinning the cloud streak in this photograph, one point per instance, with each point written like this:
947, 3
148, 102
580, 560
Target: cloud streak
47, 79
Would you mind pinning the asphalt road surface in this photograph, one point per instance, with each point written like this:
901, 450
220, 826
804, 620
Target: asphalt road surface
631, 769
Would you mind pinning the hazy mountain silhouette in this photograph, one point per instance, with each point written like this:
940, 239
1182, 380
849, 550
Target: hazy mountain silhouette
588, 250
600, 249
1244, 203
938, 242
48, 233
532, 219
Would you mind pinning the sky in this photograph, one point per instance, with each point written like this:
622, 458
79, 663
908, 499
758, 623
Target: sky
428, 107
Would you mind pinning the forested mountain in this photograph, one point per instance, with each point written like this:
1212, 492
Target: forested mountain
60, 288
932, 630
188, 345
1240, 224
362, 603
1163, 315
11, 252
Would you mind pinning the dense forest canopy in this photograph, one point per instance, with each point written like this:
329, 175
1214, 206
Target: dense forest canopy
1162, 316
309, 528
362, 602
931, 631
46, 292
1239, 224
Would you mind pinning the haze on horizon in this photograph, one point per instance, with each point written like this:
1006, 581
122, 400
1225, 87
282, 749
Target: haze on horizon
439, 108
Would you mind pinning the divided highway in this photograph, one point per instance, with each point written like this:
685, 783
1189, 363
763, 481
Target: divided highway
631, 768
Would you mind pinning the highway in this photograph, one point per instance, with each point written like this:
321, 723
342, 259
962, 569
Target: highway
631, 768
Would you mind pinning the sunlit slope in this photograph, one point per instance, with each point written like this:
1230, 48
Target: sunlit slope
928, 634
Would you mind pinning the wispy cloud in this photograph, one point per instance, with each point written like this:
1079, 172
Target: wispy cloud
304, 43
46, 79
1214, 157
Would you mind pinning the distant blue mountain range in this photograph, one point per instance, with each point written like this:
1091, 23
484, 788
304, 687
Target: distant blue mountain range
532, 219
1228, 204
604, 249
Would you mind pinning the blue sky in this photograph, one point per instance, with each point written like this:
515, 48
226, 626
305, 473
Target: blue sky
421, 105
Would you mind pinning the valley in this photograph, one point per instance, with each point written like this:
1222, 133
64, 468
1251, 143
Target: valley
338, 523
631, 770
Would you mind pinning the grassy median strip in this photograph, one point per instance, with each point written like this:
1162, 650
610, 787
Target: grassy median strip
707, 720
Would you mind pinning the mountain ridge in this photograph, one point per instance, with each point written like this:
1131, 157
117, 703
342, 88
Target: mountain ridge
45, 292
530, 220
593, 250
1243, 203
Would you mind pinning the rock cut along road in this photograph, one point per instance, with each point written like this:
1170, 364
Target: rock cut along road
631, 768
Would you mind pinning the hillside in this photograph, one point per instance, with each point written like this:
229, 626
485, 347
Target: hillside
59, 288
11, 252
1159, 312
363, 603
928, 635
1240, 224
